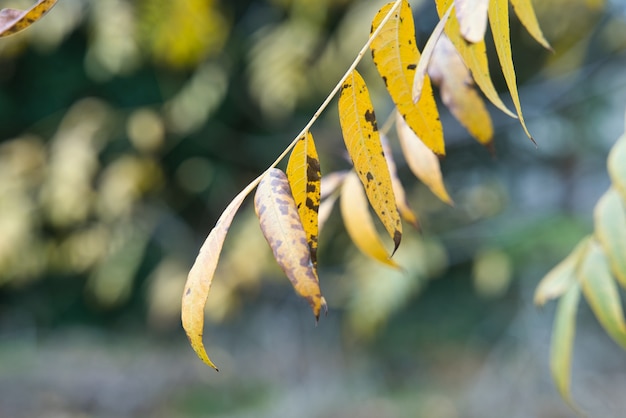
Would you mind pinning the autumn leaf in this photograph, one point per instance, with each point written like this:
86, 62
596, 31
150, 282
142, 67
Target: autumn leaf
616, 166
601, 292
13, 20
201, 275
499, 21
526, 14
562, 343
331, 183
396, 57
360, 133
358, 221
303, 172
398, 190
422, 161
457, 91
472, 17
610, 228
561, 277
474, 56
278, 215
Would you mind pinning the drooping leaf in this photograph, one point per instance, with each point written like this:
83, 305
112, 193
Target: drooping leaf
561, 277
601, 292
526, 14
398, 190
303, 172
610, 228
562, 343
359, 223
396, 57
474, 56
422, 161
457, 91
331, 182
283, 230
201, 275
472, 17
499, 21
617, 167
13, 20
360, 133
326, 207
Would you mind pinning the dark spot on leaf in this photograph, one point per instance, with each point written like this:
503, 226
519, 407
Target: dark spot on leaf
369, 176
188, 291
411, 67
313, 169
371, 118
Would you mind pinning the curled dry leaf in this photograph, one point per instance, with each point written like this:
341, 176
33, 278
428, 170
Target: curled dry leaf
457, 90
360, 133
526, 14
610, 228
398, 190
422, 161
201, 275
359, 223
396, 57
472, 17
499, 21
283, 230
303, 172
13, 20
474, 56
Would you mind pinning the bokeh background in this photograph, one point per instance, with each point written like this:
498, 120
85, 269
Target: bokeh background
127, 126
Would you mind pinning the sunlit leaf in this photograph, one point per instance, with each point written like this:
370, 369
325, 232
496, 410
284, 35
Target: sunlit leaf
360, 133
474, 56
499, 21
472, 17
601, 292
398, 190
526, 14
13, 20
303, 172
560, 278
610, 228
283, 230
457, 91
422, 161
396, 57
359, 222
562, 343
617, 166
201, 275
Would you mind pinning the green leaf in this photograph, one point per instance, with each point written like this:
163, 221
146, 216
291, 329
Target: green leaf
610, 227
617, 166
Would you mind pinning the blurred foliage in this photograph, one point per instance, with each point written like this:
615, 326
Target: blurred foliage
126, 127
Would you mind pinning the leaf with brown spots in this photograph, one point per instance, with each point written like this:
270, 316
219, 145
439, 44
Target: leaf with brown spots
359, 223
303, 172
360, 133
422, 161
396, 57
201, 275
398, 190
13, 20
280, 222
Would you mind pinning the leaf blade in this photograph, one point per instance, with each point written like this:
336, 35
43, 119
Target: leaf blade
280, 223
360, 134
13, 21
610, 230
526, 14
472, 17
616, 166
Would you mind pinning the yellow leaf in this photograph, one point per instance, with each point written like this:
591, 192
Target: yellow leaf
303, 172
396, 56
201, 275
283, 230
422, 161
617, 167
560, 278
359, 223
457, 91
398, 190
474, 56
499, 21
472, 17
13, 20
526, 14
562, 343
610, 228
360, 133
601, 293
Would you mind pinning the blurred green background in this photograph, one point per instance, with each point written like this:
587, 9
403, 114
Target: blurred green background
127, 126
